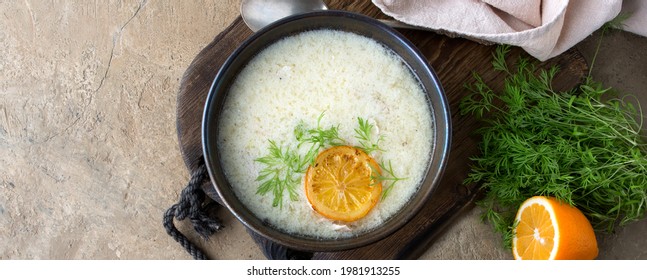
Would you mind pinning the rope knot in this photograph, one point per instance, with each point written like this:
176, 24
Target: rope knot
192, 205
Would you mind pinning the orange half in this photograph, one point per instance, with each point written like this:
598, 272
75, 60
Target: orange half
340, 184
548, 229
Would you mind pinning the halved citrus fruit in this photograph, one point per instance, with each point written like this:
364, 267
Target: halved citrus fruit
548, 229
340, 186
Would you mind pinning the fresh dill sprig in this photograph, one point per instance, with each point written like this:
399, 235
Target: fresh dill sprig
317, 137
387, 177
616, 23
280, 173
364, 136
582, 146
498, 61
363, 133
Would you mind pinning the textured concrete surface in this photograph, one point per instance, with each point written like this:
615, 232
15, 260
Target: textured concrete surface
89, 158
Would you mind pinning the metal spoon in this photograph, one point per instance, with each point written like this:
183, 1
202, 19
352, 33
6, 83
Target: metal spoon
259, 13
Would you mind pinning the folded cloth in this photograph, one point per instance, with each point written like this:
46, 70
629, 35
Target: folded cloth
544, 29
637, 21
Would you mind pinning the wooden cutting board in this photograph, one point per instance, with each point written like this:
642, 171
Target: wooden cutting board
453, 59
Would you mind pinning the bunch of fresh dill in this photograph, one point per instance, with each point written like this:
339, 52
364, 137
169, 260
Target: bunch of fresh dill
582, 146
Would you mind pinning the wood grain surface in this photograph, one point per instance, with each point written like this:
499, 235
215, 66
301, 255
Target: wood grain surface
453, 59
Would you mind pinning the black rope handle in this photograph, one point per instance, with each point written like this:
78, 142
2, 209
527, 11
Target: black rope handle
192, 205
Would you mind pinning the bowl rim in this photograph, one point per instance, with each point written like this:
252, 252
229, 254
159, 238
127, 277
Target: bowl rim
440, 151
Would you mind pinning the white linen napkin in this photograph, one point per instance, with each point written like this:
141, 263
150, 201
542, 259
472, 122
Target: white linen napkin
543, 28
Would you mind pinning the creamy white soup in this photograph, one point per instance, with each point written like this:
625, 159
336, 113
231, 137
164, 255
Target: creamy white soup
342, 76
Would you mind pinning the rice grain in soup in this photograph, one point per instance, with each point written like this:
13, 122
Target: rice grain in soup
344, 76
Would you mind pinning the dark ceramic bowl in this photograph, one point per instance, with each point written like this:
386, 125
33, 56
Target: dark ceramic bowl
336, 20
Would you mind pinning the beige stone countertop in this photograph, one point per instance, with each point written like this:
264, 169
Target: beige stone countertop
89, 158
